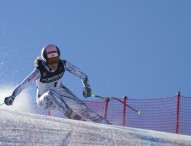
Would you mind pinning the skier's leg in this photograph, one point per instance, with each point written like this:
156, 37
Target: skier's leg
79, 107
51, 100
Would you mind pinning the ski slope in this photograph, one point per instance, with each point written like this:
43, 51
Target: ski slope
28, 129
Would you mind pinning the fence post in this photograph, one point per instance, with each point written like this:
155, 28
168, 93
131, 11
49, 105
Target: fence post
124, 111
49, 113
177, 112
106, 107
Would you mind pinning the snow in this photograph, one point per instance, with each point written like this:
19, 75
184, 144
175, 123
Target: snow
29, 129
20, 125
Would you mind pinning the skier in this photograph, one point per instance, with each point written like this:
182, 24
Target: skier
51, 93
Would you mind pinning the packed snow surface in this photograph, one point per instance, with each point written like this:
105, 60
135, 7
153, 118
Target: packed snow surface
23, 129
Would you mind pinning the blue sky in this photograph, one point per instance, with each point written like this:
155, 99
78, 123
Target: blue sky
137, 48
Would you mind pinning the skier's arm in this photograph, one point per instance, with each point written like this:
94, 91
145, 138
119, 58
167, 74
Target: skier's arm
26, 82
77, 72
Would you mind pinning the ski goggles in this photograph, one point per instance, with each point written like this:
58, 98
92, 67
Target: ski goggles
52, 60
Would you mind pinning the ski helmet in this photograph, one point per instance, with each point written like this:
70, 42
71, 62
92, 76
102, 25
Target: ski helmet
50, 51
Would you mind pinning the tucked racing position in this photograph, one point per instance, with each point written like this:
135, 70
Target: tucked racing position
51, 93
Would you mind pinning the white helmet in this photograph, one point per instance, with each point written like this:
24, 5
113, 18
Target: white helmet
50, 51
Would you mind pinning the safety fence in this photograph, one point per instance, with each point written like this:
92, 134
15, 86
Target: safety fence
170, 114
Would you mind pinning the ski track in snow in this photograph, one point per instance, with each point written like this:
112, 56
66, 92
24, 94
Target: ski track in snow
27, 129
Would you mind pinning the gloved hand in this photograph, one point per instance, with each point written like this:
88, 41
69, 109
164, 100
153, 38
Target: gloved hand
9, 100
87, 92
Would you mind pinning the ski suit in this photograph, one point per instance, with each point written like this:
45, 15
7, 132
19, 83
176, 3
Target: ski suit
52, 94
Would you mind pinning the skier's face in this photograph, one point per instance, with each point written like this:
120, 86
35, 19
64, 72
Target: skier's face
53, 62
53, 66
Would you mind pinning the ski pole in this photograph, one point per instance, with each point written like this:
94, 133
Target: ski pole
2, 104
94, 95
101, 97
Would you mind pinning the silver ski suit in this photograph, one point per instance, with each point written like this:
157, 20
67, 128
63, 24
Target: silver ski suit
52, 94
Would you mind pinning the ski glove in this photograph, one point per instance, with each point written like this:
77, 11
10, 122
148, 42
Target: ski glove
87, 92
9, 100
